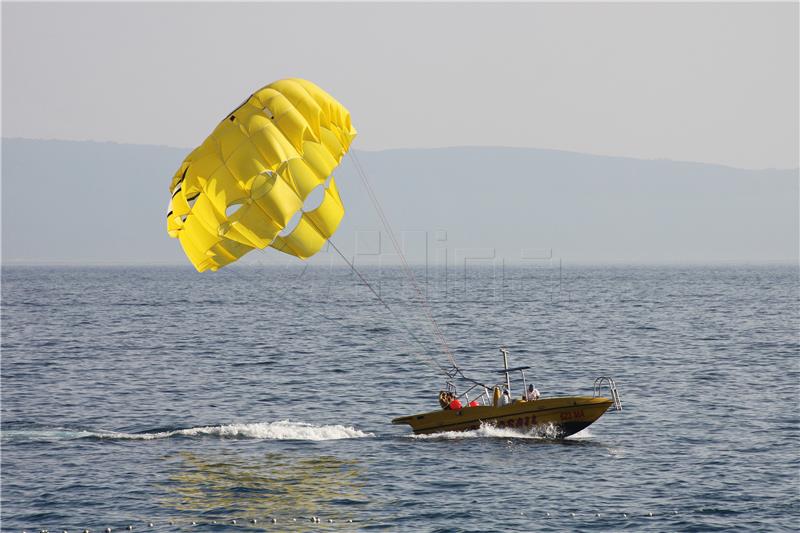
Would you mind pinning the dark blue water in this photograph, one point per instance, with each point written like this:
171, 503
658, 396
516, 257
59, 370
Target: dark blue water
136, 395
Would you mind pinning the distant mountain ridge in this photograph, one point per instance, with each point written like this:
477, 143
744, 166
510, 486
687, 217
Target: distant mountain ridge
93, 202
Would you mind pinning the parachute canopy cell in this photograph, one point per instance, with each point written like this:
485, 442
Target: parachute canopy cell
241, 188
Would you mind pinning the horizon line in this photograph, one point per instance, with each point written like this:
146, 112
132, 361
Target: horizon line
448, 147
539, 264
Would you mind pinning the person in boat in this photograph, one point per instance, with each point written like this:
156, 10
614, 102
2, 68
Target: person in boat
532, 394
505, 399
445, 397
449, 401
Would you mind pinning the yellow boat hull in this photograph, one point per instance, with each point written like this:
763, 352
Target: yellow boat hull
555, 417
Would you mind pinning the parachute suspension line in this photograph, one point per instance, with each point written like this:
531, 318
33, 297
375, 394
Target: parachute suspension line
430, 361
292, 284
437, 332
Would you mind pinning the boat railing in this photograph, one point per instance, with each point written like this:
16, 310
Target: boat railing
483, 397
605, 381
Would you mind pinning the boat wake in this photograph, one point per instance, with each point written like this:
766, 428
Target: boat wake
489, 431
281, 430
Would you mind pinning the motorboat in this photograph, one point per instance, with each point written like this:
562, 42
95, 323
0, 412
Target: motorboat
557, 417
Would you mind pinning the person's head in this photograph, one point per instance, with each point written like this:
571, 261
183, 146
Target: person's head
530, 388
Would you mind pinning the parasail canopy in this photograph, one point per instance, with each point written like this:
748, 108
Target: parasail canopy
243, 186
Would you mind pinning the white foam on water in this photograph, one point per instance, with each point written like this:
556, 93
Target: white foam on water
281, 430
45, 434
490, 431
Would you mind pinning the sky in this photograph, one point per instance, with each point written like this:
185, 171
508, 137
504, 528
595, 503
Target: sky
715, 83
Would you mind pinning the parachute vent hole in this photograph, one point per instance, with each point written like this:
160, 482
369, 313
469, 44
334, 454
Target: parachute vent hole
269, 113
191, 201
293, 222
314, 198
232, 209
184, 217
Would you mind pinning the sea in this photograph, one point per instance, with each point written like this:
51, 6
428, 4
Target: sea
260, 398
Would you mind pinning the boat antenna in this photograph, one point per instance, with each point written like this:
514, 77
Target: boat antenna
504, 351
376, 204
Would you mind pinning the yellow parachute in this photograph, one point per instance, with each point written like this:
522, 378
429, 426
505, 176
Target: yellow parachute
239, 189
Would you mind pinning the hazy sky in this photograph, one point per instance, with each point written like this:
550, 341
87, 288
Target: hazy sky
702, 82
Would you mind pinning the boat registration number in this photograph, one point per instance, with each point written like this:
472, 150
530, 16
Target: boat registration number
518, 423
572, 415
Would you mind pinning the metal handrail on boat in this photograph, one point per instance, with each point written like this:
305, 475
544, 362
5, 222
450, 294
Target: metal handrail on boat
612, 387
